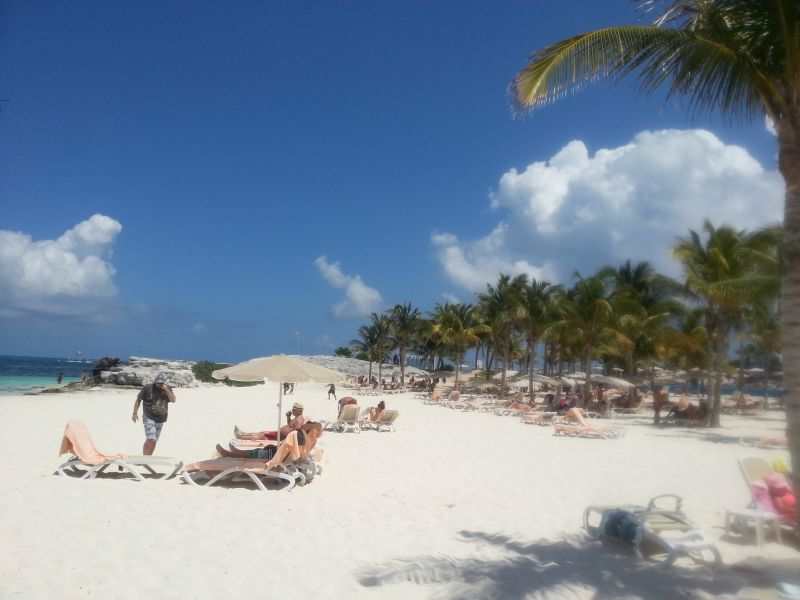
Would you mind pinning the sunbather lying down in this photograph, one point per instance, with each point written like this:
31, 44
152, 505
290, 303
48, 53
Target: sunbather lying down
582, 427
376, 412
294, 421
297, 446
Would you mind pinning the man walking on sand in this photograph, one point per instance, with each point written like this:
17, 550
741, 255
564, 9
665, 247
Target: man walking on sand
155, 398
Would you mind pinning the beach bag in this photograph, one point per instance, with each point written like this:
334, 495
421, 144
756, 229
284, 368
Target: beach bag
308, 468
621, 525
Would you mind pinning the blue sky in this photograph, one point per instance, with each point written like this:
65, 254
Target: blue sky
236, 144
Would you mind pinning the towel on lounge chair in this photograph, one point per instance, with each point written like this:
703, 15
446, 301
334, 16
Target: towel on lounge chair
77, 441
88, 462
603, 433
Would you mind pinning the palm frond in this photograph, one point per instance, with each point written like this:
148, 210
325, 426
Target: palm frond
711, 73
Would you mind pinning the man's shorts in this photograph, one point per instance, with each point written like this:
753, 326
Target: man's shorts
152, 429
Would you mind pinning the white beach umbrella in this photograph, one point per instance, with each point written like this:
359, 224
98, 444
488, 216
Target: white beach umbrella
615, 382
278, 369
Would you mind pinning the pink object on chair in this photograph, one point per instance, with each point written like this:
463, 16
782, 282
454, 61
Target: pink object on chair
77, 441
762, 498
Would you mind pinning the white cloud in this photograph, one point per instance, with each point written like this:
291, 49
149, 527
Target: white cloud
450, 298
52, 276
472, 265
578, 211
360, 299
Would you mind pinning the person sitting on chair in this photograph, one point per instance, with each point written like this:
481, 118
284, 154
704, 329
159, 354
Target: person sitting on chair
376, 412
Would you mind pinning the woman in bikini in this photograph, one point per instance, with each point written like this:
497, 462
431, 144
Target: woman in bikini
297, 446
376, 412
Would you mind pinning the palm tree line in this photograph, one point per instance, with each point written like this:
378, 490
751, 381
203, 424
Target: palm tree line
738, 57
630, 318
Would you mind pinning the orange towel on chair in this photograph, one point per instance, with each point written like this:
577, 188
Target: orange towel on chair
77, 441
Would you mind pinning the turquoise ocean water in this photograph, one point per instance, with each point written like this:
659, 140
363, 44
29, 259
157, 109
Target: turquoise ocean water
19, 374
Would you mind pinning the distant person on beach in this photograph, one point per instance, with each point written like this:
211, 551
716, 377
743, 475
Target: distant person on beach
294, 420
332, 391
60, 378
154, 398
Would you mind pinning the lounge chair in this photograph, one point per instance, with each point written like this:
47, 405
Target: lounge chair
754, 469
347, 420
87, 462
600, 433
218, 469
655, 533
385, 423
539, 418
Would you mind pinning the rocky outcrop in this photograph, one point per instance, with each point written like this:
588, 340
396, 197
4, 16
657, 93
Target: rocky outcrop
140, 371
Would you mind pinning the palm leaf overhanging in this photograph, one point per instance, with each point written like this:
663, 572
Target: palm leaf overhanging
721, 55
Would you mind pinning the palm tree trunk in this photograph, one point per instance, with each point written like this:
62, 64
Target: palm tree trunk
460, 358
587, 367
531, 361
402, 366
503, 380
789, 164
369, 382
716, 407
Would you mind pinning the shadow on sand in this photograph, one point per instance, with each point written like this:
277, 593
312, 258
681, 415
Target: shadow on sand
706, 435
571, 567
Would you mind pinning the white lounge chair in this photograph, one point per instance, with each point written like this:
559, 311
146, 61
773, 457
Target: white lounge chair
206, 473
655, 533
87, 462
347, 420
159, 467
385, 423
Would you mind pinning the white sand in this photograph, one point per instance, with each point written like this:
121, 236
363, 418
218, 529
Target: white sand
451, 505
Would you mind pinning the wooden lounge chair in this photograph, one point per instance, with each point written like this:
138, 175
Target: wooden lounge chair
656, 533
206, 473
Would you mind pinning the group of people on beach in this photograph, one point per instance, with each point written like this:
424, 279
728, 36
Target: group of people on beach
294, 441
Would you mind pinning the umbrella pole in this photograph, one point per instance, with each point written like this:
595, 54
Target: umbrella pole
280, 412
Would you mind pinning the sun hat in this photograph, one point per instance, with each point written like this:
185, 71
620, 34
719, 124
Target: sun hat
297, 405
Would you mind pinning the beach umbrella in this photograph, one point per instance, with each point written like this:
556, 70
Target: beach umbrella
278, 369
615, 382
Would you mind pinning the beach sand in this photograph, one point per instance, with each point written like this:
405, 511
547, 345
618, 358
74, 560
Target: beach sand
451, 505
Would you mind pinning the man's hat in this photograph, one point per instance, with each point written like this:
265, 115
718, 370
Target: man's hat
297, 406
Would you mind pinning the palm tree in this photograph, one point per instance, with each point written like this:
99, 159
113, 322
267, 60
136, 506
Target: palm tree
534, 313
741, 57
366, 342
643, 303
381, 326
499, 308
722, 274
458, 328
405, 322
588, 319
